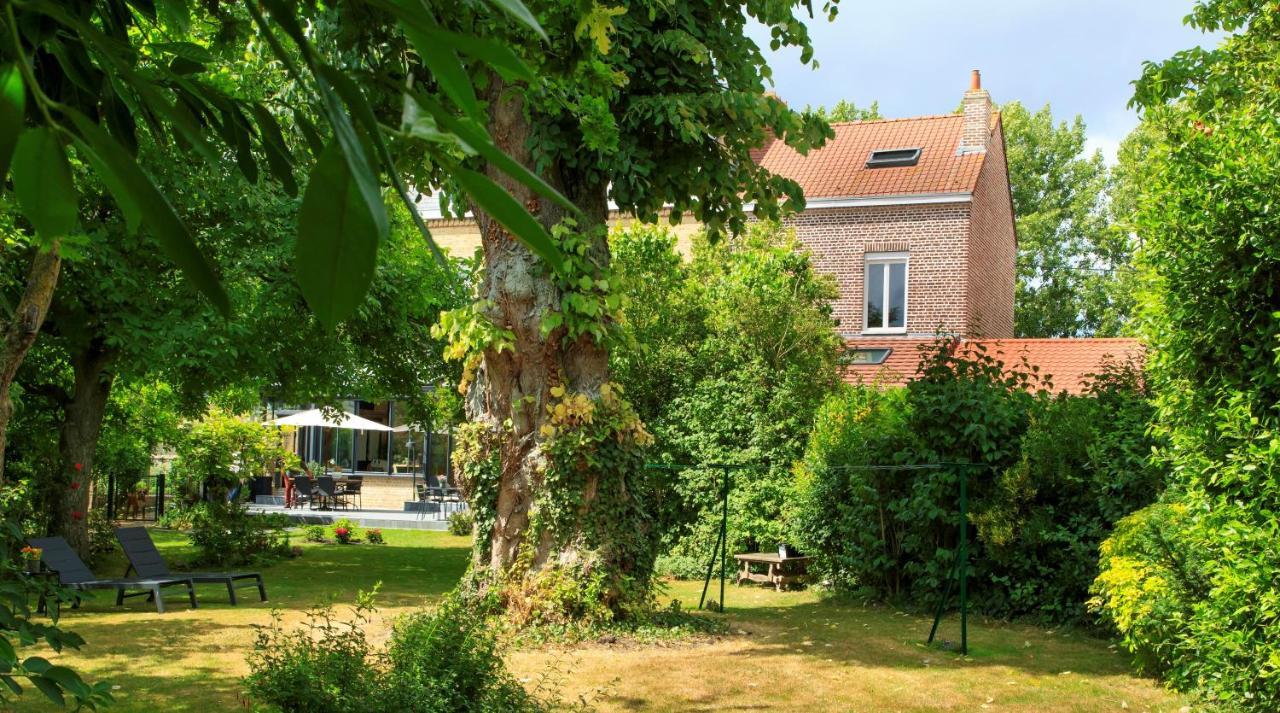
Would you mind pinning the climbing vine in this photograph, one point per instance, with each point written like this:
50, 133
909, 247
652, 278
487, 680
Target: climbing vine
591, 301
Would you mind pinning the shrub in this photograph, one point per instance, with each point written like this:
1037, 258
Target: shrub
225, 534
374, 536
435, 662
680, 567
733, 353
1191, 583
313, 533
853, 519
322, 665
178, 518
447, 660
1082, 467
342, 535
102, 535
217, 452
1057, 472
461, 523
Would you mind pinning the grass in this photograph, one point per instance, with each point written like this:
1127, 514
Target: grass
785, 651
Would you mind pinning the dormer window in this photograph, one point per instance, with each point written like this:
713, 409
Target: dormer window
887, 158
866, 356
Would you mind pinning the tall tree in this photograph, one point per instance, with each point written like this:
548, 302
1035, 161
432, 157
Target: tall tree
87, 79
1191, 582
120, 313
845, 110
648, 105
1067, 253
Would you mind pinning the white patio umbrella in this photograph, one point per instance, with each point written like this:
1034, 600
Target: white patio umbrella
316, 417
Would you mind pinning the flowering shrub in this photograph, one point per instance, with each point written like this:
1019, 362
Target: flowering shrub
342, 535
374, 536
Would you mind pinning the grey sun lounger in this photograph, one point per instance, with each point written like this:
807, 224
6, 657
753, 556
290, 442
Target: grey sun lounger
145, 559
72, 572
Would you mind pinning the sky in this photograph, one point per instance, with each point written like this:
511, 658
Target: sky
915, 56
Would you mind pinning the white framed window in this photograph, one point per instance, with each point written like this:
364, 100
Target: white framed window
886, 293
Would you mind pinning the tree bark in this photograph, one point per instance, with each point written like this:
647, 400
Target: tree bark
518, 290
21, 331
82, 417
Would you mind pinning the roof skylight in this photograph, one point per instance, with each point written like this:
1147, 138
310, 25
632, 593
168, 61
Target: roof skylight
886, 158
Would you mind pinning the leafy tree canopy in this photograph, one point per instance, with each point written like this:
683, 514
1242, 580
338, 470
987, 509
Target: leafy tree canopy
1069, 257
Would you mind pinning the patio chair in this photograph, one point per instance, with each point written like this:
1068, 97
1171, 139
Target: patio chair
146, 560
302, 492
351, 489
72, 572
424, 497
329, 491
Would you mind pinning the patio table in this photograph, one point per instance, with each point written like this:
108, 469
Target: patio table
781, 571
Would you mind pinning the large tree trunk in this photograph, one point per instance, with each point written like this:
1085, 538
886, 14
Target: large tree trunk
82, 416
20, 333
517, 290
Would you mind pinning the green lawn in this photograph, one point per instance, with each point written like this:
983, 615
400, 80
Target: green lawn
791, 650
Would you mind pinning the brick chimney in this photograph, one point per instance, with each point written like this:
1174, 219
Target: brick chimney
977, 117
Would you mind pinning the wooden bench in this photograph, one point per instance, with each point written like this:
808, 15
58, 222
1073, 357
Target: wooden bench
781, 571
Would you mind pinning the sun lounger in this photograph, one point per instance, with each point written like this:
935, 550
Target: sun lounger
146, 560
72, 572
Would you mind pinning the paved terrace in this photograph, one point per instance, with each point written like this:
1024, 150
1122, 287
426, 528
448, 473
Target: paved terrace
386, 519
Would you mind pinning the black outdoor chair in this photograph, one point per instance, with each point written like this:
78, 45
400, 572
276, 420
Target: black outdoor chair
351, 489
302, 491
424, 497
146, 560
329, 491
72, 572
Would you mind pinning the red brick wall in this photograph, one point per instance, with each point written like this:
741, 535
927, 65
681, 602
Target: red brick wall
936, 276
993, 247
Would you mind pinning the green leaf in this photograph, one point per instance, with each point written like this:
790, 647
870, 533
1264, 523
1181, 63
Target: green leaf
68, 680
309, 132
337, 247
42, 182
446, 68
500, 57
279, 160
134, 191
478, 139
49, 689
516, 9
363, 113
13, 98
494, 200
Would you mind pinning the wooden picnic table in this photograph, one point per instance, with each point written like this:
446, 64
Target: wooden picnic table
781, 571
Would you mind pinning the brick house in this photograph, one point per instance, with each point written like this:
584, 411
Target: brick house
914, 220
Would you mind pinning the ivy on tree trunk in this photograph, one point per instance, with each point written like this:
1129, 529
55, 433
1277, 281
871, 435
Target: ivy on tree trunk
20, 333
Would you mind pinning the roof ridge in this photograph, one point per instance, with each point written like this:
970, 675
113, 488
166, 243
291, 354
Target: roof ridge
901, 118
1054, 339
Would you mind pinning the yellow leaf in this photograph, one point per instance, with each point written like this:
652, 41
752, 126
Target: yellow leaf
557, 391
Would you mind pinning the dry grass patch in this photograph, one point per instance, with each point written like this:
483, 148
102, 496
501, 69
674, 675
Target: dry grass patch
795, 651
785, 651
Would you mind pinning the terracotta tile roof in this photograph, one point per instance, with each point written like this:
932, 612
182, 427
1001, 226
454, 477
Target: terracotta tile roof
1067, 362
898, 368
838, 169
